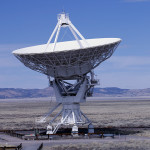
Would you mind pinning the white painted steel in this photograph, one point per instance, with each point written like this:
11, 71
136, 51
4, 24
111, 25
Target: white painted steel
71, 60
66, 46
51, 36
68, 59
75, 37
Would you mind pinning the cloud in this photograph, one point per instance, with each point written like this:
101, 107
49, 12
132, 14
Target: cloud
6, 57
9, 61
125, 72
23, 79
10, 47
128, 61
136, 0
125, 63
125, 80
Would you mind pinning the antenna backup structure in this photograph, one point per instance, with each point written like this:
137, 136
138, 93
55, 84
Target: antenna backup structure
65, 61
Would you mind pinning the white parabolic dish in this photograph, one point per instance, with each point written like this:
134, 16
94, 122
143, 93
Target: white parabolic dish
68, 59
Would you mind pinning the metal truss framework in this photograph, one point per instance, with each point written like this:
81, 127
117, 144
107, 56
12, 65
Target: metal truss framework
69, 96
69, 65
75, 62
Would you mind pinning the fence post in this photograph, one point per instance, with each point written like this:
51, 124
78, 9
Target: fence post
19, 147
40, 147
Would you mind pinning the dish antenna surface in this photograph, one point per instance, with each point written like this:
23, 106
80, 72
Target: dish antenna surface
65, 61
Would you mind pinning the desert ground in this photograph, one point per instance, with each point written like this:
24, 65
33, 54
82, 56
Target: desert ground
105, 145
104, 112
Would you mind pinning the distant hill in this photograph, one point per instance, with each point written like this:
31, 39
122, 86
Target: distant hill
25, 93
47, 92
113, 91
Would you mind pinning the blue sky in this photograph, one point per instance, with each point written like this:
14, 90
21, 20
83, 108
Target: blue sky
30, 22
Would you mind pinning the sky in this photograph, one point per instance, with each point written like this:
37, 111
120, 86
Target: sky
30, 22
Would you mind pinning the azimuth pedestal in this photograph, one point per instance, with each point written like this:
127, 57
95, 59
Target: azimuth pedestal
70, 96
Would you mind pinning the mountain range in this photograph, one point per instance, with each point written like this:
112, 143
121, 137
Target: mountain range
48, 92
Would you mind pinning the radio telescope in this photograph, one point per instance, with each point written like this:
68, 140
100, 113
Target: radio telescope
68, 61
